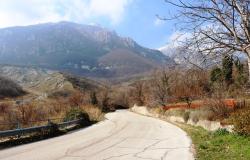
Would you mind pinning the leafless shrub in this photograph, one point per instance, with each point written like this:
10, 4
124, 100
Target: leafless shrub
27, 113
161, 87
10, 120
241, 121
104, 99
4, 108
193, 84
120, 99
195, 119
77, 99
138, 93
218, 109
94, 112
59, 105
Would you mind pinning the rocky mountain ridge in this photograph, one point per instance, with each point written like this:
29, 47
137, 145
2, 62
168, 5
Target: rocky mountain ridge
80, 49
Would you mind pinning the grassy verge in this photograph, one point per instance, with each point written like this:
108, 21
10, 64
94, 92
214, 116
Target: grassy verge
219, 145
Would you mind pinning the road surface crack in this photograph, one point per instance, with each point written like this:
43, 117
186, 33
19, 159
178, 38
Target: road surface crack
137, 155
164, 155
117, 156
98, 141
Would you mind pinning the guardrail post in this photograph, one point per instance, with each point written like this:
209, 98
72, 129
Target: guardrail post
18, 125
49, 122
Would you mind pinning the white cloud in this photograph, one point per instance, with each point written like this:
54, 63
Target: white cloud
114, 9
26, 12
158, 22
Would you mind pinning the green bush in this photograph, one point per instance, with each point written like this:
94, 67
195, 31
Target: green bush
186, 116
216, 75
227, 69
221, 132
241, 121
76, 113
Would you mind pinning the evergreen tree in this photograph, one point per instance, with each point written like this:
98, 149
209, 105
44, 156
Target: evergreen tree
239, 77
216, 75
227, 69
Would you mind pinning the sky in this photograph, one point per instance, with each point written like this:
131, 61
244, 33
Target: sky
129, 18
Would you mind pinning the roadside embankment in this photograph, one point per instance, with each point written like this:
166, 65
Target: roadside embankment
206, 124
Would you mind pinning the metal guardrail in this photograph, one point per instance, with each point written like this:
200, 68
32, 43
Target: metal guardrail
69, 123
23, 131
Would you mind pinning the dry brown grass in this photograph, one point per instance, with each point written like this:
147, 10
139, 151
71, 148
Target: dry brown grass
4, 108
77, 99
218, 109
241, 120
37, 112
94, 112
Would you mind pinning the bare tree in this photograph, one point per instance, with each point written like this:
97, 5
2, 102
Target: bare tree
161, 87
138, 93
217, 26
104, 99
189, 85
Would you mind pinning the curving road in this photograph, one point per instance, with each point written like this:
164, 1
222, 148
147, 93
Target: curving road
123, 136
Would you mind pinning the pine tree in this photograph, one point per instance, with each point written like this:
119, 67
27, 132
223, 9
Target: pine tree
227, 69
216, 75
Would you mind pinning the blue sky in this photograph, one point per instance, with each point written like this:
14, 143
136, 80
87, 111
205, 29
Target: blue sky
142, 25
130, 18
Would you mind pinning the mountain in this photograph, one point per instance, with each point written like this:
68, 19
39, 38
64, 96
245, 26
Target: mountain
42, 81
82, 49
172, 51
188, 58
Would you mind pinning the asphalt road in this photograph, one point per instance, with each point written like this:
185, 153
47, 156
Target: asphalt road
123, 136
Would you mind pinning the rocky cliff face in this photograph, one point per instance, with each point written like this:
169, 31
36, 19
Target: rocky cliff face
77, 49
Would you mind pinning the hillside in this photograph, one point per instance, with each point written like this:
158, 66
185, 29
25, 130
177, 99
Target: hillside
82, 49
42, 81
9, 88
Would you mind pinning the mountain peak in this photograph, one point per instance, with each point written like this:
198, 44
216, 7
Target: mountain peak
83, 49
